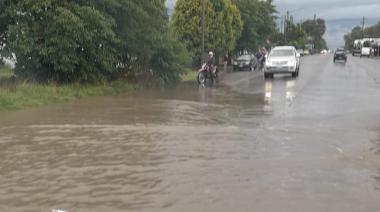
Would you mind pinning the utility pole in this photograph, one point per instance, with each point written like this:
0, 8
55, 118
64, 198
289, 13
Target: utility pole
363, 24
203, 31
286, 25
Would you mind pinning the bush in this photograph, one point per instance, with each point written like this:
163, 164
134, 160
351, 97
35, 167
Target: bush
169, 59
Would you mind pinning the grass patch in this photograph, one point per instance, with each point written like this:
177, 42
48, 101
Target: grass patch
27, 95
5, 72
189, 75
20, 95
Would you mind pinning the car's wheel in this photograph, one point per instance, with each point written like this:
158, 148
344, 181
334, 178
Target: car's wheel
294, 74
266, 76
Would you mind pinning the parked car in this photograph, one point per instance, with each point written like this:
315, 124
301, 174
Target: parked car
282, 59
365, 52
356, 51
300, 51
340, 54
243, 62
306, 52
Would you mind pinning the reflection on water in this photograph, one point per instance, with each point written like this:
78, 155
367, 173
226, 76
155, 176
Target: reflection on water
377, 180
284, 89
290, 94
268, 96
376, 146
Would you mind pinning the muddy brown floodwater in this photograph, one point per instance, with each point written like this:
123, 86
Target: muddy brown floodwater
307, 144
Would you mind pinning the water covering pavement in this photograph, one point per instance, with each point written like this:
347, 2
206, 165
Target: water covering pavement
248, 144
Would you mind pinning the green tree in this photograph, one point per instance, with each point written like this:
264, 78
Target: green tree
4, 22
89, 41
356, 33
259, 23
316, 29
372, 31
140, 23
168, 59
223, 25
143, 28
60, 41
295, 35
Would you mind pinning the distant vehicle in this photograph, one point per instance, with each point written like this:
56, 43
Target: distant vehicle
306, 52
365, 52
300, 51
340, 54
324, 51
246, 61
309, 48
356, 51
363, 47
282, 59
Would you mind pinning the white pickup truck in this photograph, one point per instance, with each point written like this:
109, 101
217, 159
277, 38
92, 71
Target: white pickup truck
366, 52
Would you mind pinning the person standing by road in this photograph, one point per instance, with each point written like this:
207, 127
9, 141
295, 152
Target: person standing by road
264, 53
225, 61
259, 59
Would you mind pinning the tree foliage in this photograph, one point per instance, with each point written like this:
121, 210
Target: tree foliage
372, 31
315, 29
223, 25
87, 41
59, 41
259, 23
295, 35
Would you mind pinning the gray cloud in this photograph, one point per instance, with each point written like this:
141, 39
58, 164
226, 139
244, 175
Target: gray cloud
330, 9
340, 15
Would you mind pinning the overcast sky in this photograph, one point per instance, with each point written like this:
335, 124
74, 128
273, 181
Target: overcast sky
341, 15
331, 9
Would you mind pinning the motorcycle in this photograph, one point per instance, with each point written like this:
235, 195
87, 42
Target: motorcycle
205, 74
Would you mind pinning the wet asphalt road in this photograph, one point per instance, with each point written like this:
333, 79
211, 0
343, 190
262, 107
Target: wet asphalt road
249, 144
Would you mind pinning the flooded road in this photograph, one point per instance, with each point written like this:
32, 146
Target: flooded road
249, 144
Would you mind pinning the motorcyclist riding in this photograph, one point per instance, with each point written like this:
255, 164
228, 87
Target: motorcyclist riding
208, 71
211, 60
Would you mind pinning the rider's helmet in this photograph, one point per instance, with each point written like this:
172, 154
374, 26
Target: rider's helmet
211, 54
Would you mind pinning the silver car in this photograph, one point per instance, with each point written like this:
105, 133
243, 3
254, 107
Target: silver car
282, 59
